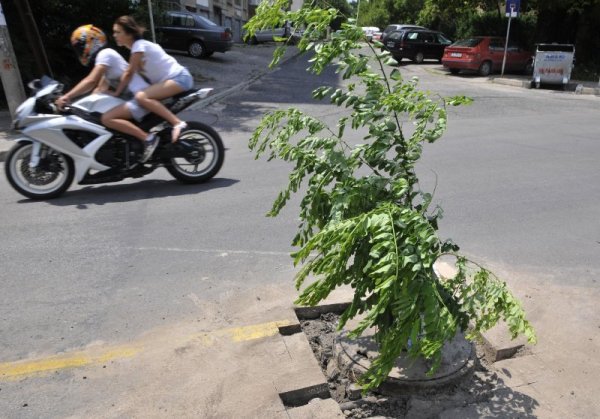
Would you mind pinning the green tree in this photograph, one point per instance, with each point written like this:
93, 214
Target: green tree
56, 19
383, 12
342, 6
364, 221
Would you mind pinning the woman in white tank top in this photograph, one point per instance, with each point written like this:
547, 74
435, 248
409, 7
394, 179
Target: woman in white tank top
166, 76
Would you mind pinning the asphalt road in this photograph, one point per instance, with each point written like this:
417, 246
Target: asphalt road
517, 174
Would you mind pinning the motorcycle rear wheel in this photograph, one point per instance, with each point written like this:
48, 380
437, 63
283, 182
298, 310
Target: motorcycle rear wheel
50, 179
208, 157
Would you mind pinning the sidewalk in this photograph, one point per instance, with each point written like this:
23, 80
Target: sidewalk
575, 86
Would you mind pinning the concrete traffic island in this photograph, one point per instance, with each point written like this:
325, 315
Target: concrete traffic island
408, 375
466, 382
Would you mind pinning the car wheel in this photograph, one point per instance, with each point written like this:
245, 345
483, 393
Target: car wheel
485, 69
196, 49
419, 57
454, 70
398, 58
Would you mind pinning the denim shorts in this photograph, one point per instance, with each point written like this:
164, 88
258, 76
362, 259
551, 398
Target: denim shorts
184, 79
137, 112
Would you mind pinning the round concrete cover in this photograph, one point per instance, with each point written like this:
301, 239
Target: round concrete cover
359, 353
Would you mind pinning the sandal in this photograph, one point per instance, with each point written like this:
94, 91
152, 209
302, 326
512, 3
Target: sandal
176, 130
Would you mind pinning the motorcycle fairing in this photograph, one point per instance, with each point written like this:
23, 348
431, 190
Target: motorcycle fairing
51, 133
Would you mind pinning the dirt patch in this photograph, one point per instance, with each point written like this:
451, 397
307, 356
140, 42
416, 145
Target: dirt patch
474, 388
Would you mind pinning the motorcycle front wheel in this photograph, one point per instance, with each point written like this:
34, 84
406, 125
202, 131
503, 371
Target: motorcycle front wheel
52, 176
205, 158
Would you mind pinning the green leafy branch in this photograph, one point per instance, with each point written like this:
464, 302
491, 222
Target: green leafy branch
364, 221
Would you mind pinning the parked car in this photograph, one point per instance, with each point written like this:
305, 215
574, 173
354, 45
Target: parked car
416, 44
397, 27
484, 54
269, 34
194, 34
369, 31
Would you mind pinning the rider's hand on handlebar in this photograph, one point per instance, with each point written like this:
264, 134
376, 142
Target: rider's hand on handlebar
62, 101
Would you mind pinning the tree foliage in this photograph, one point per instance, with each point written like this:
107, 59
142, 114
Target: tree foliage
566, 21
364, 221
56, 19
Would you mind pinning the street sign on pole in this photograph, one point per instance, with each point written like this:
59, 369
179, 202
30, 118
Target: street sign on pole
513, 8
151, 21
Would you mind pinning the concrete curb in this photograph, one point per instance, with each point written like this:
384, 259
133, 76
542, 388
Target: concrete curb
574, 86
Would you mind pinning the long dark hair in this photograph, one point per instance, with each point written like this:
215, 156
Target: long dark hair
131, 27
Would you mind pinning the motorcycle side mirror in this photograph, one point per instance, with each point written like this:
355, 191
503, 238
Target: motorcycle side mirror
35, 84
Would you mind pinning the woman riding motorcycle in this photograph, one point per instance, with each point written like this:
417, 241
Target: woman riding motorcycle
89, 42
167, 78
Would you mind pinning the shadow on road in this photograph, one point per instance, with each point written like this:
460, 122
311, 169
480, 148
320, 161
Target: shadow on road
288, 86
147, 189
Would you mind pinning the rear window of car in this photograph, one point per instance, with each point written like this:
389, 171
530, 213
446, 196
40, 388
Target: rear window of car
470, 42
181, 20
206, 21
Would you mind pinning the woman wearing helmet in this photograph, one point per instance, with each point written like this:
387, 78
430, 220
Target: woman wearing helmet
167, 78
89, 42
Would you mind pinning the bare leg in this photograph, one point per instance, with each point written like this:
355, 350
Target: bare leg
150, 100
119, 119
150, 97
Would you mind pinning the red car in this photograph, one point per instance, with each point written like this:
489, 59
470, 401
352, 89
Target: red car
484, 54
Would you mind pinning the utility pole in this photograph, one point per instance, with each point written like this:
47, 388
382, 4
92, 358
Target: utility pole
33, 38
9, 70
151, 21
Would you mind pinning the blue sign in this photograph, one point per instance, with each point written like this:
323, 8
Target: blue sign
512, 8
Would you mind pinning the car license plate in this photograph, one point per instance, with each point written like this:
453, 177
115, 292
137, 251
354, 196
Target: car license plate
456, 54
390, 44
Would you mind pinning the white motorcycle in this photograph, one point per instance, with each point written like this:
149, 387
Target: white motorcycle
59, 146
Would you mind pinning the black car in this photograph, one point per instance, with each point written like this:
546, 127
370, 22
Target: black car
195, 34
397, 27
416, 44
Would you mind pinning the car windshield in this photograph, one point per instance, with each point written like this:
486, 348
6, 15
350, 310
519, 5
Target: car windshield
470, 42
206, 21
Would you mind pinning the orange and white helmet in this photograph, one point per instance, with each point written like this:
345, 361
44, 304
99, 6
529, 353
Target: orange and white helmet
87, 40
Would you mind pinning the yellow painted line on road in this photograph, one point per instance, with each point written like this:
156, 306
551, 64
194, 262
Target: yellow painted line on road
252, 332
11, 370
96, 356
241, 334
